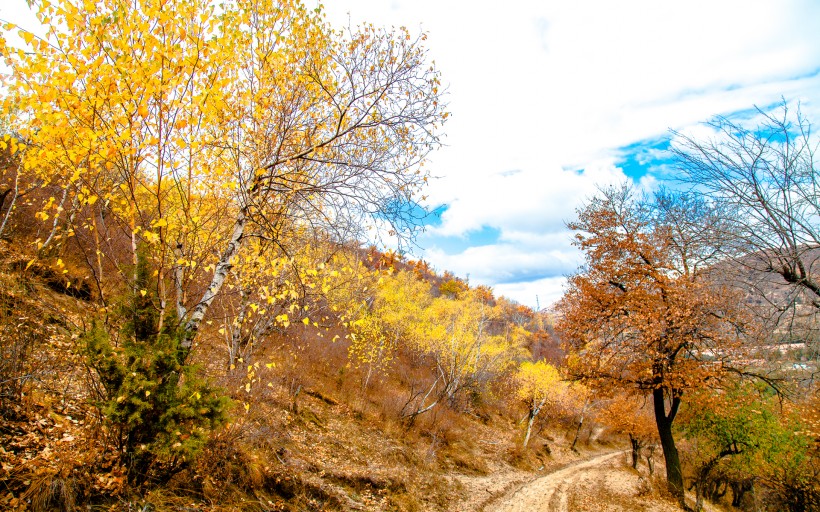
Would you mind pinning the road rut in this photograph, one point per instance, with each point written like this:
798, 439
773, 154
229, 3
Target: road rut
550, 493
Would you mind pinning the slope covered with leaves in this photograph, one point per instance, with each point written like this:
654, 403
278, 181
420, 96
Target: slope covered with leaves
311, 426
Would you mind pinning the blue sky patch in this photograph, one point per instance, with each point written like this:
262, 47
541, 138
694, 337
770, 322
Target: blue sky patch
645, 157
487, 235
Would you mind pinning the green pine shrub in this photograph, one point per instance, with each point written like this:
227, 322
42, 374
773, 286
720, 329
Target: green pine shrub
158, 409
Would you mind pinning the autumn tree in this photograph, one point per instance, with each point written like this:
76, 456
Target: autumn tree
9, 179
194, 153
761, 174
456, 339
158, 410
640, 316
731, 425
451, 286
539, 385
628, 415
467, 349
196, 129
314, 281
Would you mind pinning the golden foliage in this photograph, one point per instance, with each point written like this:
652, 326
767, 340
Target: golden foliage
214, 134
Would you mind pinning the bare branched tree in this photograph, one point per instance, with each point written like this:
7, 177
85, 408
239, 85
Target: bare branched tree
764, 182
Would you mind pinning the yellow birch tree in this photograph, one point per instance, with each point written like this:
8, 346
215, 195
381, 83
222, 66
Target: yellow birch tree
193, 127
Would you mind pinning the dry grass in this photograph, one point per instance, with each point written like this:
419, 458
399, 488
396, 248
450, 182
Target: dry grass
311, 437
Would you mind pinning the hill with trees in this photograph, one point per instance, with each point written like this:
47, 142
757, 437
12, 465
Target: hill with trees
192, 315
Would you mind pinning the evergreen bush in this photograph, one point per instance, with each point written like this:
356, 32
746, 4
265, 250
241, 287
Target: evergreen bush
159, 410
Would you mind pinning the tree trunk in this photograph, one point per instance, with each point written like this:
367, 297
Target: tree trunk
529, 427
739, 489
179, 283
580, 424
3, 198
217, 280
636, 450
674, 475
700, 484
650, 459
13, 200
56, 222
717, 489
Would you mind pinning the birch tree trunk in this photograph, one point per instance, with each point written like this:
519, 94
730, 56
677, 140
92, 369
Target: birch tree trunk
220, 274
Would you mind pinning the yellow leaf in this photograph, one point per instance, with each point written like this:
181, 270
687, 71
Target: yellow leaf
143, 292
27, 36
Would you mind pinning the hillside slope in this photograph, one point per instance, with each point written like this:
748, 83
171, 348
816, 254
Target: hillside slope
321, 444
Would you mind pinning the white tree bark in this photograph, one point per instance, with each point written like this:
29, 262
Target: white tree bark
220, 274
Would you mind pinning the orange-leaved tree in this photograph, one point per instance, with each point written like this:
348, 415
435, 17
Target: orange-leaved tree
640, 314
627, 414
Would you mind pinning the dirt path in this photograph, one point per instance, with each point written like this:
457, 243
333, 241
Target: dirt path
602, 483
550, 493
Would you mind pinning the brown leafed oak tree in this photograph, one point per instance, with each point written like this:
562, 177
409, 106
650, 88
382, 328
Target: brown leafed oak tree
640, 316
626, 414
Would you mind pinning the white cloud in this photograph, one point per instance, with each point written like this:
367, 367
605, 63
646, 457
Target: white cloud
529, 200
540, 293
541, 87
545, 88
530, 209
499, 263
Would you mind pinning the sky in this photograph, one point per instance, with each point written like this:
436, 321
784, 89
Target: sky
551, 99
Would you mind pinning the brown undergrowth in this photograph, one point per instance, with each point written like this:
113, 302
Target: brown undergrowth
305, 433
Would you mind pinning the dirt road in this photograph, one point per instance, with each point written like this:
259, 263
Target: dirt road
604, 483
550, 493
